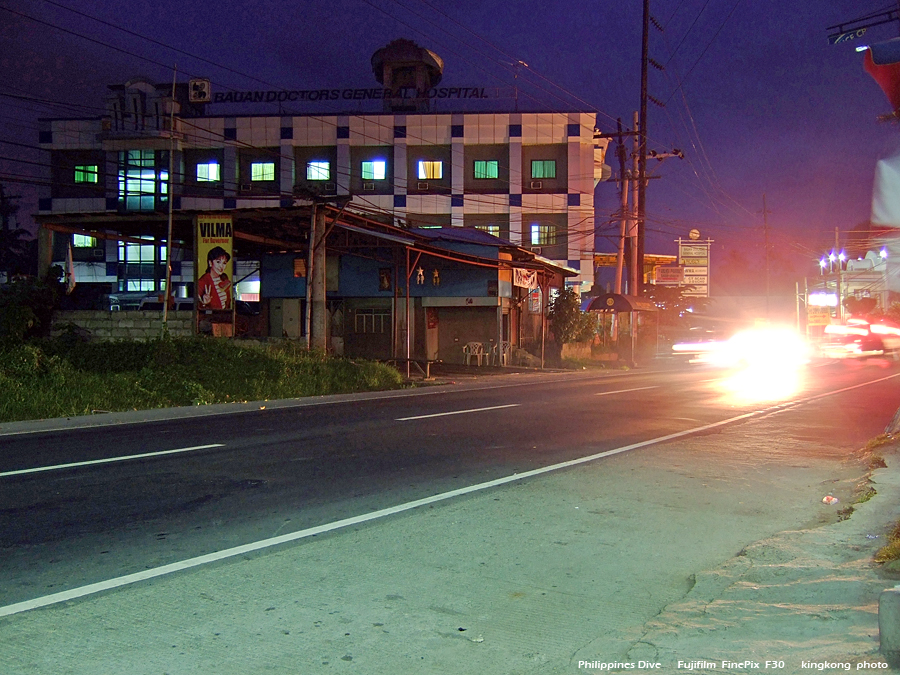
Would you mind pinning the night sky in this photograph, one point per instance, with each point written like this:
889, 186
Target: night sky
754, 95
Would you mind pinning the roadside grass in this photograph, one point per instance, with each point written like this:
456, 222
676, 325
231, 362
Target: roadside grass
873, 455
64, 377
890, 551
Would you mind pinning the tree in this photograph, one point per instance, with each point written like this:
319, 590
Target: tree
567, 322
26, 307
675, 308
14, 241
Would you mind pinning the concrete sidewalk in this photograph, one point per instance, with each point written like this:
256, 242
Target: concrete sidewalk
619, 561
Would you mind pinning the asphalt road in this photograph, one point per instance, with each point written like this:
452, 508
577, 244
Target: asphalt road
77, 507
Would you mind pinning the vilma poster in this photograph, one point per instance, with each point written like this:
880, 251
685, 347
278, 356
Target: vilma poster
215, 262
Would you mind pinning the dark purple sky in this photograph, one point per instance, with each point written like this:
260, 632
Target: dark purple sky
765, 106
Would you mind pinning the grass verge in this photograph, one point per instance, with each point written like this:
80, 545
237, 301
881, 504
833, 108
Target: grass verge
64, 378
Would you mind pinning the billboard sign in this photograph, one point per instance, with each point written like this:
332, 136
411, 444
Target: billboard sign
669, 274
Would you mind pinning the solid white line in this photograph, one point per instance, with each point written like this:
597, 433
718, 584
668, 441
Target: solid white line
108, 460
119, 582
457, 412
126, 580
623, 391
194, 412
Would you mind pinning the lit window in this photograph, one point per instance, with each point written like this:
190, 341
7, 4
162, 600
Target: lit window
83, 241
490, 229
429, 170
375, 170
132, 252
486, 168
318, 170
140, 285
208, 172
262, 171
543, 168
543, 235
139, 183
86, 173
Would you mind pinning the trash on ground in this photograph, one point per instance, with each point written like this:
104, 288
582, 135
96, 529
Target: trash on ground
828, 499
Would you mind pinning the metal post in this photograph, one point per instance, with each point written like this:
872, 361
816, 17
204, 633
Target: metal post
544, 305
168, 289
408, 350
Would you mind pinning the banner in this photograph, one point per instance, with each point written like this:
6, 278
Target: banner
213, 289
525, 278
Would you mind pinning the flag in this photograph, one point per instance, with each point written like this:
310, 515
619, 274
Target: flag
70, 270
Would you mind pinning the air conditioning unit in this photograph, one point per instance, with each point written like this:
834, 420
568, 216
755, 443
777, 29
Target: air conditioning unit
421, 186
329, 188
368, 186
98, 253
537, 250
536, 185
245, 187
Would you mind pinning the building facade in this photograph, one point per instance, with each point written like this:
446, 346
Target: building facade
525, 177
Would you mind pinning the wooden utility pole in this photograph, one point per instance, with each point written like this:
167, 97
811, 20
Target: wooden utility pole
635, 224
642, 152
316, 310
766, 237
623, 192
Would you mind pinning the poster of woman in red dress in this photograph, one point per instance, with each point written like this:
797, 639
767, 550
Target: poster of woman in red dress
214, 287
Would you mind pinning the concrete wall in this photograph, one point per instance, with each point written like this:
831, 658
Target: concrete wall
103, 325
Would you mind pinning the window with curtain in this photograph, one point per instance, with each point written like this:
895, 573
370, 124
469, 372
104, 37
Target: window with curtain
374, 170
430, 170
543, 168
486, 168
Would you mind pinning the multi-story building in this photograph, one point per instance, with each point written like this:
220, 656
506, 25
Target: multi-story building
525, 177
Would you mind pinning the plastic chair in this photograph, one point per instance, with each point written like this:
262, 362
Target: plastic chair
501, 355
474, 350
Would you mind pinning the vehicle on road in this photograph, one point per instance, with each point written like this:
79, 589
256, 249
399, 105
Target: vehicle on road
859, 339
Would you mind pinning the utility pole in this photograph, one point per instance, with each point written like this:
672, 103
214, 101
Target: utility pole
642, 152
635, 224
623, 192
316, 337
765, 212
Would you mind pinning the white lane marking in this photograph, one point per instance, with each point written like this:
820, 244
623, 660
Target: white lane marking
128, 579
193, 412
91, 589
123, 458
457, 412
624, 391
